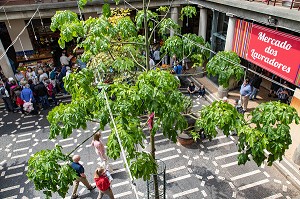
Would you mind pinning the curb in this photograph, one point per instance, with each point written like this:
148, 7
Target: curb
287, 174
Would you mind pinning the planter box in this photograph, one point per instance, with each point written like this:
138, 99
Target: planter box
185, 139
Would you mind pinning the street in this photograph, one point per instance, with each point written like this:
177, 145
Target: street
207, 169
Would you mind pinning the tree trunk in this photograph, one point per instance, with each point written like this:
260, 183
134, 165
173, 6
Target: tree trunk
147, 47
155, 180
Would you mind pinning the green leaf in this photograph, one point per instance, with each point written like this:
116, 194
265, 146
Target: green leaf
50, 172
225, 64
188, 11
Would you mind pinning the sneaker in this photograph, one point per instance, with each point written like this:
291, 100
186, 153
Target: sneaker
92, 188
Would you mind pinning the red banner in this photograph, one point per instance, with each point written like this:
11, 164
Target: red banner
276, 52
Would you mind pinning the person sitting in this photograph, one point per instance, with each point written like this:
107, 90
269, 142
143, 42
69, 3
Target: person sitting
191, 88
201, 91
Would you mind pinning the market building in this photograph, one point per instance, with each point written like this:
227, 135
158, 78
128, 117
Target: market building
265, 34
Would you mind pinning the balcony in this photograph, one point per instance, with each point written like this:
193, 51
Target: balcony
28, 2
291, 4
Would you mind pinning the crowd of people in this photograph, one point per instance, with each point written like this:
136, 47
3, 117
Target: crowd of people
36, 88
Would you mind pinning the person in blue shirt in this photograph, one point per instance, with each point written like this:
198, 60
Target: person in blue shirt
27, 94
245, 92
178, 68
81, 177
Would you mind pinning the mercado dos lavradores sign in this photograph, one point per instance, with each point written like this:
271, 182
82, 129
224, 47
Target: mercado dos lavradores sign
272, 50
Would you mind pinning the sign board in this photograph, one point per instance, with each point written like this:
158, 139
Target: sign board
276, 52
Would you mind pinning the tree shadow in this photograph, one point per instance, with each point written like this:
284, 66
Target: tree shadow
120, 175
214, 187
14, 181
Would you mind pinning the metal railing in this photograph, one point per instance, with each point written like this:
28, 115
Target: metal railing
27, 2
286, 3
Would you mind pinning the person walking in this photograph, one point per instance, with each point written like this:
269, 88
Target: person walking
255, 87
103, 183
99, 148
81, 177
245, 93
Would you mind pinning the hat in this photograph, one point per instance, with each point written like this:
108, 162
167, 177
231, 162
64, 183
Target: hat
10, 79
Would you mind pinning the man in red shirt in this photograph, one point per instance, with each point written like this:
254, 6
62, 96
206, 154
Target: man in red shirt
103, 183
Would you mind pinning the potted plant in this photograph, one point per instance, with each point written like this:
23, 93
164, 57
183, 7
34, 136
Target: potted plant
185, 137
225, 65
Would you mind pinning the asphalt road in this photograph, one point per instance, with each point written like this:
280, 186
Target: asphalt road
203, 170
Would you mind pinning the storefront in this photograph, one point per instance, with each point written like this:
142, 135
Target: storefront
44, 43
273, 51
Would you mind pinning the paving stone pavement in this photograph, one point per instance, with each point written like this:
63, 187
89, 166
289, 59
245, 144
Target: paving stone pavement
206, 169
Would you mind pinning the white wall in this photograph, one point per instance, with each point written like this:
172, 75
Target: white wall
16, 27
4, 63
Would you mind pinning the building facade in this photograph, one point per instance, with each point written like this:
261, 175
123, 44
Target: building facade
265, 34
226, 24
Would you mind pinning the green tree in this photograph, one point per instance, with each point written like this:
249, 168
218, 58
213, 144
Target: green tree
112, 43
225, 64
265, 136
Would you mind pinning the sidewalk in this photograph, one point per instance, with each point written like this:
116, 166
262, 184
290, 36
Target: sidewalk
286, 166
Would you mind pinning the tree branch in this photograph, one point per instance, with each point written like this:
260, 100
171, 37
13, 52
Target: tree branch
122, 42
152, 32
79, 145
111, 55
137, 61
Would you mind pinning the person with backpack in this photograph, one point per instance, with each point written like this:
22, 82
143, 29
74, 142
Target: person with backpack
5, 97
